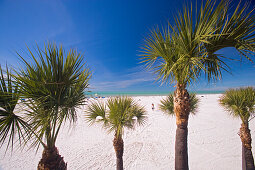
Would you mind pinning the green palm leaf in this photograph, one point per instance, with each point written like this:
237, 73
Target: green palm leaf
167, 105
182, 51
54, 84
239, 102
12, 126
236, 30
177, 52
117, 113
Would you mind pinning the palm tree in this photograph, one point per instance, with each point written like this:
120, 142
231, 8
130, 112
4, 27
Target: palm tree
54, 86
167, 105
116, 114
240, 103
11, 125
183, 51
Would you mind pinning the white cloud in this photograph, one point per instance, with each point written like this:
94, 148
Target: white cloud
135, 76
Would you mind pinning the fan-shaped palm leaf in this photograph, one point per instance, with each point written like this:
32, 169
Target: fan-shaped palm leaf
11, 125
167, 105
236, 30
177, 53
54, 85
118, 113
239, 102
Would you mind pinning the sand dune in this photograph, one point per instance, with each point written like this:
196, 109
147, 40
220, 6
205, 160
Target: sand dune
213, 143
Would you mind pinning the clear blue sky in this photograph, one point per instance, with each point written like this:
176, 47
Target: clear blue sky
108, 33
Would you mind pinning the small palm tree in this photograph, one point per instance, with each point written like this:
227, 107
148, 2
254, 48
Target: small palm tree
54, 86
167, 105
241, 103
11, 124
116, 114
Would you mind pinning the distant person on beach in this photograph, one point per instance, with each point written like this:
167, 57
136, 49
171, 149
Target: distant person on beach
152, 106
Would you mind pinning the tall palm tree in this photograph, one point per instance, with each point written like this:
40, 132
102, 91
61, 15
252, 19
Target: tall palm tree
54, 86
11, 125
240, 103
167, 105
183, 51
116, 114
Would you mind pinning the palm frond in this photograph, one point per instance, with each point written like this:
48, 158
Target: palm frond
96, 112
55, 82
186, 49
236, 29
12, 126
239, 102
118, 113
139, 114
194, 102
167, 105
177, 52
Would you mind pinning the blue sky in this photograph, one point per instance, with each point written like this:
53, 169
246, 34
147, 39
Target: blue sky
108, 33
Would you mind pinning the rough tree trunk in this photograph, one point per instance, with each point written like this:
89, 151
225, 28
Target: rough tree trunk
181, 110
119, 149
51, 160
247, 157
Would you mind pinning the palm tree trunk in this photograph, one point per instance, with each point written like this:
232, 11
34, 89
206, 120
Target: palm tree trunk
247, 157
51, 160
119, 149
181, 110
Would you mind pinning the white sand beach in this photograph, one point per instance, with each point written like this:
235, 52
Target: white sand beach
213, 142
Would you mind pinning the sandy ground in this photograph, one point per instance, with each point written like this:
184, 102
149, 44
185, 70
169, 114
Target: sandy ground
213, 142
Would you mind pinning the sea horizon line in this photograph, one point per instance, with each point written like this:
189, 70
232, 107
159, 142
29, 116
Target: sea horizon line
143, 93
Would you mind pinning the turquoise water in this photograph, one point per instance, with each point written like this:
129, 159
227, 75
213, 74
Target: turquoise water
141, 93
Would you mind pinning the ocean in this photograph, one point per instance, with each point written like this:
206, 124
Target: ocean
141, 93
